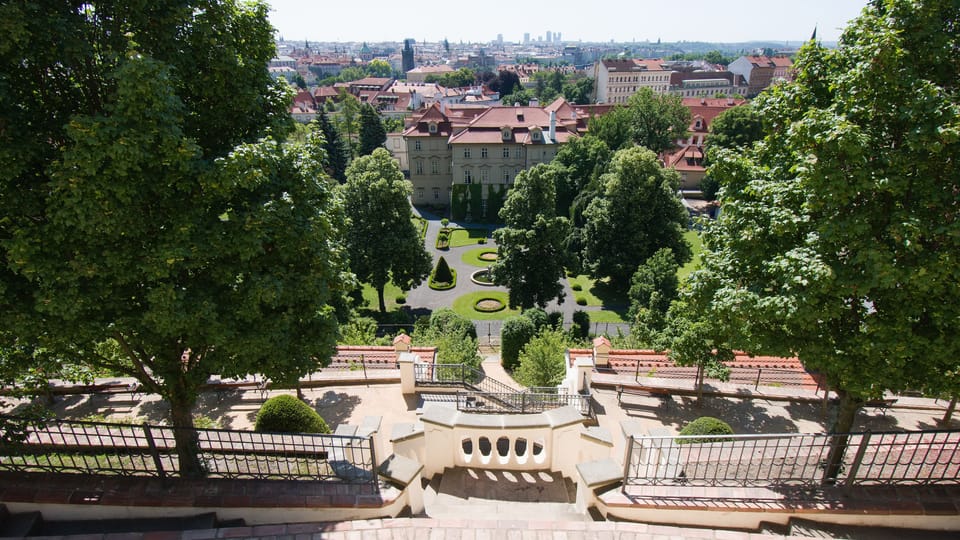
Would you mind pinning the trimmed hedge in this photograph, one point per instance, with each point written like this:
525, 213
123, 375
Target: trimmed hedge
705, 425
287, 414
443, 277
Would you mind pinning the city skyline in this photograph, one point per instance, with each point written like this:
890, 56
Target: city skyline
732, 21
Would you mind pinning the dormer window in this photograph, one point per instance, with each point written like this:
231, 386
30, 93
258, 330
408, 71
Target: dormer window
536, 135
506, 133
698, 124
432, 127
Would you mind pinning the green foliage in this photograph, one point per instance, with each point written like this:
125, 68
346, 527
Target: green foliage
531, 256
580, 330
496, 195
476, 202
454, 336
652, 288
337, 151
653, 121
287, 414
358, 331
458, 204
382, 241
443, 276
735, 128
637, 213
455, 79
131, 131
705, 425
710, 188
520, 97
542, 359
538, 317
465, 306
372, 132
515, 333
834, 229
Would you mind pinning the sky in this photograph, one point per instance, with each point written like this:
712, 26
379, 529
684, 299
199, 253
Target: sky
725, 21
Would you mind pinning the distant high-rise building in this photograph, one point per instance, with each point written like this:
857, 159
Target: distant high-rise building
549, 36
407, 55
500, 39
526, 38
557, 36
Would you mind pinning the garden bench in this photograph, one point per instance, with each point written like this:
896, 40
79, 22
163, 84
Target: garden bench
642, 392
880, 405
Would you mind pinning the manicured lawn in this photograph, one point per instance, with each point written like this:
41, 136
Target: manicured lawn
421, 225
599, 293
696, 245
464, 306
466, 237
390, 293
605, 315
472, 257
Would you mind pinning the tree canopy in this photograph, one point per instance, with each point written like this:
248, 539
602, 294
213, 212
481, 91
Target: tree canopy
337, 152
382, 241
839, 233
151, 227
372, 132
530, 245
636, 213
653, 121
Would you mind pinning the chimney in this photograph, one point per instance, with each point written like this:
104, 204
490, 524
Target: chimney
553, 126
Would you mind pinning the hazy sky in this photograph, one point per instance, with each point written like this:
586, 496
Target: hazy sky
620, 20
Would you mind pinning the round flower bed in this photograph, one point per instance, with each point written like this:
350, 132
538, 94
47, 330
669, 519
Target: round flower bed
489, 305
488, 256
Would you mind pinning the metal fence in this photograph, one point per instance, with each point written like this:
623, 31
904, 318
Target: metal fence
520, 402
364, 364
67, 446
765, 376
918, 457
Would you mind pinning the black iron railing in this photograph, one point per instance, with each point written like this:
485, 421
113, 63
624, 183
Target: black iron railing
926, 457
67, 446
520, 402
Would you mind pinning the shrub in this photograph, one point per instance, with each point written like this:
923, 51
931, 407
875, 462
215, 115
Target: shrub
287, 414
401, 299
442, 274
444, 222
542, 360
448, 321
705, 425
581, 300
577, 287
514, 334
555, 320
537, 316
581, 325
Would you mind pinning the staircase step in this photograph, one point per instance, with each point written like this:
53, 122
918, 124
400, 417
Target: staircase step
806, 528
23, 524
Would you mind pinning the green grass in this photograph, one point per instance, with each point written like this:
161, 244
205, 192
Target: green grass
696, 245
599, 294
420, 225
472, 257
390, 293
466, 237
605, 316
464, 306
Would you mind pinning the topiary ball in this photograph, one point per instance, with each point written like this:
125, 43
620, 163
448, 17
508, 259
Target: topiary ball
705, 425
287, 414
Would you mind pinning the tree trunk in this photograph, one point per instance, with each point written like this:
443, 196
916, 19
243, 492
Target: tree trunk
383, 303
185, 435
947, 416
842, 426
700, 376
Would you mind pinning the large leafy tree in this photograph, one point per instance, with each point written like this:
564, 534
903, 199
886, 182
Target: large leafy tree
636, 213
840, 231
657, 120
530, 245
735, 128
372, 132
652, 288
147, 229
383, 243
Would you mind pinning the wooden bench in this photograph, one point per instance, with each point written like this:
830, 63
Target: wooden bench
231, 385
880, 405
663, 394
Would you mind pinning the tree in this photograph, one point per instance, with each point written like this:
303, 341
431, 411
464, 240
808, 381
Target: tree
378, 68
735, 129
507, 82
578, 164
347, 119
372, 132
530, 253
335, 148
840, 228
149, 226
613, 128
636, 213
541, 360
520, 96
652, 289
514, 334
657, 120
454, 336
579, 91
382, 241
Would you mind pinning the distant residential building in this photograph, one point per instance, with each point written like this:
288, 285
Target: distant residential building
459, 153
617, 80
687, 156
707, 84
761, 71
420, 73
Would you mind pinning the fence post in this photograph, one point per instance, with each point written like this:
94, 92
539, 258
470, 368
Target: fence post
373, 463
636, 376
523, 403
857, 460
363, 363
626, 463
759, 371
154, 452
